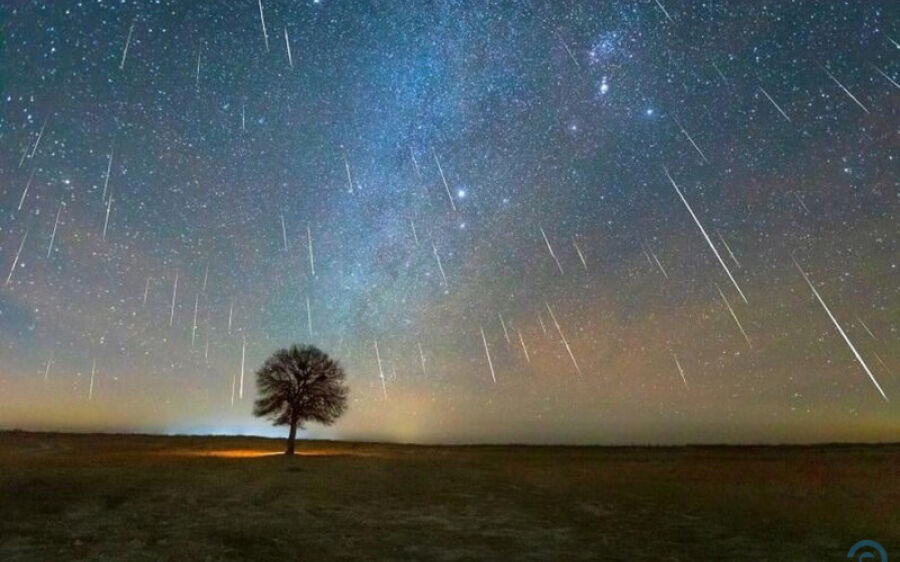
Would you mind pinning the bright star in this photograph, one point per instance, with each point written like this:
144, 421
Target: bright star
604, 86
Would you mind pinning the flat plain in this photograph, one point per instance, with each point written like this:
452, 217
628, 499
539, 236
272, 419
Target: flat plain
139, 497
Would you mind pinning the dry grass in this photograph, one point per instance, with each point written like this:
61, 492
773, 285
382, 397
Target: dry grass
92, 497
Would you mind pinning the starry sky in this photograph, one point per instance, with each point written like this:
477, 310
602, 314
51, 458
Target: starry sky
573, 222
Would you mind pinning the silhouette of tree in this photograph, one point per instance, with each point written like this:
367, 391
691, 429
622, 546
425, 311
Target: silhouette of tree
300, 384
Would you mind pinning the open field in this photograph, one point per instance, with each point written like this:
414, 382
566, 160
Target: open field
119, 497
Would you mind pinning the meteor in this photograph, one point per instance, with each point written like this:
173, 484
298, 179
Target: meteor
174, 296
47, 369
443, 179
25, 192
412, 225
197, 79
347, 168
656, 260
106, 179
705, 235
16, 260
194, 325
563, 336
312, 261
262, 20
802, 204
733, 315
846, 91
866, 328
380, 370
524, 347
422, 359
53, 234
691, 139
728, 248
106, 220
568, 50
889, 79
415, 163
503, 324
778, 107
287, 44
680, 370
839, 329
487, 352
40, 135
661, 7
91, 387
550, 249
127, 43
580, 255
146, 292
440, 266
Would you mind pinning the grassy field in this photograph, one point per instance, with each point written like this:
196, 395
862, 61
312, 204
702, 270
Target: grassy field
117, 497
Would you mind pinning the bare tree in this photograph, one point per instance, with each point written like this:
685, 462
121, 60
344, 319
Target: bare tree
300, 384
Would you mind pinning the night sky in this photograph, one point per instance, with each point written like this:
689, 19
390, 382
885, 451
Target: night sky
489, 193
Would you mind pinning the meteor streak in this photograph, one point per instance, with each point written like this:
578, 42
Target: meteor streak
262, 20
866, 328
846, 91
53, 234
733, 315
524, 347
422, 359
106, 179
580, 255
25, 192
380, 370
705, 235
728, 248
440, 266
91, 387
691, 139
287, 44
550, 249
127, 43
443, 179
312, 261
680, 370
487, 352
174, 296
16, 260
778, 107
563, 336
839, 329
503, 324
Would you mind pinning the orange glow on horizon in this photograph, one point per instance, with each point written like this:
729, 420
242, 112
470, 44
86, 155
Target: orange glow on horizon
257, 453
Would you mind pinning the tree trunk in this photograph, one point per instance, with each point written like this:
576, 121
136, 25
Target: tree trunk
292, 436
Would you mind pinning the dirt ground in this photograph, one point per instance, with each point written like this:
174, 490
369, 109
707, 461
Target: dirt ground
125, 497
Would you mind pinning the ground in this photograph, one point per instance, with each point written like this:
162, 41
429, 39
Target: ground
125, 497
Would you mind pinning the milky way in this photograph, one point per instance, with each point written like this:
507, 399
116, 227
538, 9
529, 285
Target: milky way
531, 222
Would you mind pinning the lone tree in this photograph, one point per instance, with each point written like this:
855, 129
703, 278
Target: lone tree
299, 384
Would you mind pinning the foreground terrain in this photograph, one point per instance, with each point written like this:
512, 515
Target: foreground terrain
122, 497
